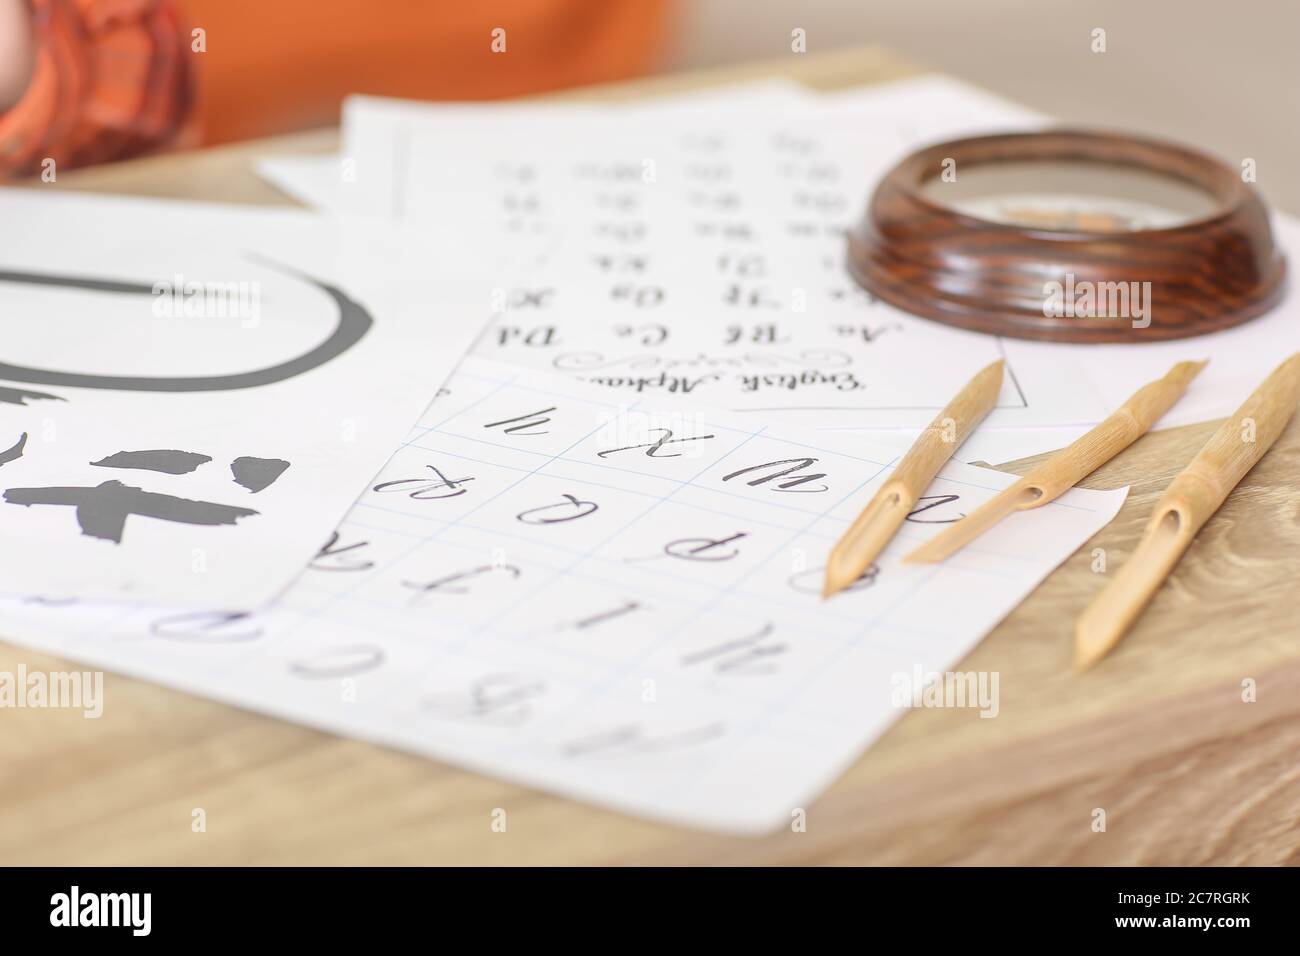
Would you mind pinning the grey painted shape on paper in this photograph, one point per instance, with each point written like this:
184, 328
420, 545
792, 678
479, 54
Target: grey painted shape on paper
354, 322
168, 461
102, 510
256, 474
14, 451
19, 396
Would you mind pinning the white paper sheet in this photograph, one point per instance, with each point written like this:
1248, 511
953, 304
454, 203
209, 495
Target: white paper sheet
704, 249
615, 603
696, 250
191, 396
312, 180
321, 181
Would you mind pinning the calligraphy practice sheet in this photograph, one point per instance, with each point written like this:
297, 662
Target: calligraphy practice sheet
312, 180
191, 396
321, 181
702, 250
693, 250
619, 602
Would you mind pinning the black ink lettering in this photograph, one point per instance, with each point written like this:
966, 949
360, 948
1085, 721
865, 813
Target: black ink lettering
751, 265
935, 501
794, 482
206, 627
620, 263
338, 662
719, 201
448, 584
51, 602
424, 489
541, 335
812, 580
497, 699
741, 655
531, 298
647, 334
652, 448
794, 144
642, 297
520, 424
867, 333
330, 550
600, 618
708, 172
620, 231
632, 738
541, 514
703, 549
763, 334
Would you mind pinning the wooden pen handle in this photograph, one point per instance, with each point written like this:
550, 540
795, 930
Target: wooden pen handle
1189, 502
873, 529
1234, 449
949, 429
1121, 428
1049, 480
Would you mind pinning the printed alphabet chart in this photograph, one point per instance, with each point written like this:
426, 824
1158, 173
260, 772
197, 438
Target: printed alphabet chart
699, 247
614, 600
694, 250
192, 396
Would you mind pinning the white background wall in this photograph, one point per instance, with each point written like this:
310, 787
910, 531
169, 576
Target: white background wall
1220, 74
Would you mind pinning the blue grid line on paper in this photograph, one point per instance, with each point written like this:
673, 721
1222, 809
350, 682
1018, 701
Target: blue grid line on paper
417, 635
521, 384
904, 533
703, 424
703, 608
560, 457
343, 594
748, 729
97, 629
779, 436
693, 484
423, 432
642, 514
819, 610
488, 625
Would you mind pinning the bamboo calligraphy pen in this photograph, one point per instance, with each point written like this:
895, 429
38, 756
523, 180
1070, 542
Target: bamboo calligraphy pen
880, 520
1190, 500
1061, 472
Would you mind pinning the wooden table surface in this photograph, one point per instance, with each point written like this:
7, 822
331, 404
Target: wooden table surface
1158, 735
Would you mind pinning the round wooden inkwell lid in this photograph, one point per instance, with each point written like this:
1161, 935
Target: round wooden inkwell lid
1069, 236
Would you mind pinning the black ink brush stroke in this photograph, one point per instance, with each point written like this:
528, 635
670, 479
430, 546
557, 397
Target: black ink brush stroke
353, 323
15, 451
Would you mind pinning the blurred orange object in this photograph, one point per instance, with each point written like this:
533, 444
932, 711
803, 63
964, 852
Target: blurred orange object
114, 78
111, 79
274, 65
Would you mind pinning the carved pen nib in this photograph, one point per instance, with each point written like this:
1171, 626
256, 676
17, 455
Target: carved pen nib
855, 552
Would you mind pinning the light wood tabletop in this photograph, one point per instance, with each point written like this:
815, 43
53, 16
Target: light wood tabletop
1187, 767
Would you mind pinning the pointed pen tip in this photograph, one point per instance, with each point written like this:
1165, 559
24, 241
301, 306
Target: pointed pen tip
920, 555
833, 584
995, 370
1188, 370
1089, 646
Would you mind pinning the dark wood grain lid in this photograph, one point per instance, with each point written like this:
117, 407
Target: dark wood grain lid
934, 260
